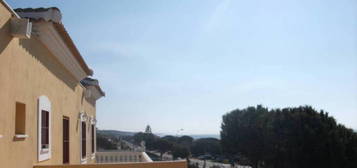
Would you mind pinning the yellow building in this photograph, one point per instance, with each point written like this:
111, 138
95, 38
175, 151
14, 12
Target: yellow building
47, 100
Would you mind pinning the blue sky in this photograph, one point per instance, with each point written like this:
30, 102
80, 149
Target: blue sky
184, 63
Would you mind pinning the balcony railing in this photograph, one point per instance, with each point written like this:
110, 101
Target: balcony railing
121, 156
170, 164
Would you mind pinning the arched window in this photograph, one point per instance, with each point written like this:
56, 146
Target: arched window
44, 128
83, 125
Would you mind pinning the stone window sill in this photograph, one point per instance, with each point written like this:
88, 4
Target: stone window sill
21, 136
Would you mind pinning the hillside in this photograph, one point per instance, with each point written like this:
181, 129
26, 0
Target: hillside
116, 133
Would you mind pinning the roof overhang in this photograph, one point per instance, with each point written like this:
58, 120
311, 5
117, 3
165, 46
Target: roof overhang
7, 6
49, 36
51, 33
93, 90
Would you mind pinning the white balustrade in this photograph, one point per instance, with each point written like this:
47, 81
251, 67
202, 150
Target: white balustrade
121, 156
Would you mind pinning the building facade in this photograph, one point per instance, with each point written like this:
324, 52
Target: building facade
48, 103
48, 99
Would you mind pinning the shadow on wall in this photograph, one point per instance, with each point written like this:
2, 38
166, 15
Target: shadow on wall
45, 57
5, 36
39, 52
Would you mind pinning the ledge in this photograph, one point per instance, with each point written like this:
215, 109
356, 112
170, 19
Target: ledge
21, 136
84, 160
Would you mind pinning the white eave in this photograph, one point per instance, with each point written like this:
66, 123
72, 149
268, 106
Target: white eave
50, 37
93, 92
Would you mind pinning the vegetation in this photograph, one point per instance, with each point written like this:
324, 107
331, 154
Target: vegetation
110, 140
149, 139
170, 138
163, 146
204, 146
148, 129
105, 142
261, 137
185, 140
289, 137
179, 147
180, 151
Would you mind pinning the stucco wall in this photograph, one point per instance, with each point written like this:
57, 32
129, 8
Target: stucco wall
27, 71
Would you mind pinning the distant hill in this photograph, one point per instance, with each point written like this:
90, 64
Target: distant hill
116, 133
198, 136
194, 136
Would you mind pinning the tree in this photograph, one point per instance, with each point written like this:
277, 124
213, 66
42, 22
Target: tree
148, 129
243, 131
163, 146
148, 138
171, 139
179, 151
206, 146
106, 143
185, 141
290, 137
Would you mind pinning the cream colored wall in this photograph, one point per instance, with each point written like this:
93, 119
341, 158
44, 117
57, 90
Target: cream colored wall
27, 71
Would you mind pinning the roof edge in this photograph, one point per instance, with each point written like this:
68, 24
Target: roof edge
9, 8
86, 82
69, 42
53, 15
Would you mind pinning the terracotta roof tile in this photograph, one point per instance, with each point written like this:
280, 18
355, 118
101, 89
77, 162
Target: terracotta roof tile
35, 9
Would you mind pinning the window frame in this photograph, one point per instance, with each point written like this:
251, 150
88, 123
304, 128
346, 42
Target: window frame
93, 137
66, 138
83, 119
45, 128
20, 120
84, 140
44, 104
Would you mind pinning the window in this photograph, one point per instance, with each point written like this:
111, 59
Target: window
20, 119
44, 128
65, 140
45, 125
84, 139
